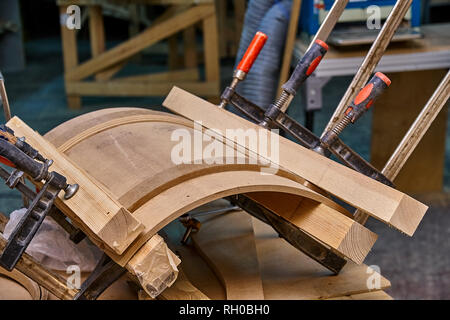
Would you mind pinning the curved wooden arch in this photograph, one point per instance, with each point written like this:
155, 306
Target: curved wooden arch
127, 150
36, 292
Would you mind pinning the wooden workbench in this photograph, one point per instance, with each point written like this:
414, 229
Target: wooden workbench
180, 16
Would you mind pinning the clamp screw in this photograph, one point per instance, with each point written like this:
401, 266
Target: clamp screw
70, 190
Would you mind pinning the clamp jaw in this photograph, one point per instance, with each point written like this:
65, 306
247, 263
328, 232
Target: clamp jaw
26, 160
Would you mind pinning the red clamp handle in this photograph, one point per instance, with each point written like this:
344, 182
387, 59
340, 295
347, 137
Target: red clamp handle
365, 98
252, 52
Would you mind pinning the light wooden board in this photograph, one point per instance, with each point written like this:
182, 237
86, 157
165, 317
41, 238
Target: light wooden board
381, 202
231, 252
91, 206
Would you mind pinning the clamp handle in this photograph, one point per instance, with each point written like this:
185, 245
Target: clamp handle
365, 98
306, 66
252, 52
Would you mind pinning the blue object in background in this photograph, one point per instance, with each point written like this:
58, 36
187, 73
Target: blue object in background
309, 14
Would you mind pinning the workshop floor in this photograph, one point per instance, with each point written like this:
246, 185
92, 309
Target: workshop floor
418, 267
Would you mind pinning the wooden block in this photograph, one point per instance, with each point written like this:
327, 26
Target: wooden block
138, 89
394, 112
380, 201
329, 226
100, 215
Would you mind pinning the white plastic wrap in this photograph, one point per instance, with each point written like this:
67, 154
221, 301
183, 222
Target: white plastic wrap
52, 247
155, 266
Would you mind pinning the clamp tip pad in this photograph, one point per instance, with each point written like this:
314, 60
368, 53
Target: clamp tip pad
252, 52
365, 98
383, 77
322, 44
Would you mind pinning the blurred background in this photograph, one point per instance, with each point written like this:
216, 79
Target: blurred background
39, 57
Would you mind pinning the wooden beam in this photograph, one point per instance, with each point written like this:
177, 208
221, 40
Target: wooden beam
190, 48
92, 206
70, 55
139, 89
97, 39
169, 76
111, 71
141, 41
289, 44
336, 230
96, 30
211, 49
382, 202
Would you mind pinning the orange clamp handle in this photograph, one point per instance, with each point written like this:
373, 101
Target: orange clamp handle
252, 52
365, 98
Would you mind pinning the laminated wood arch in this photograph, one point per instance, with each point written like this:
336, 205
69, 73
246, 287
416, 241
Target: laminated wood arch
128, 151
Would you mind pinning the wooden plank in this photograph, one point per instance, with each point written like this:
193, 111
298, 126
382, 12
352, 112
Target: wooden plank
70, 55
231, 253
287, 274
289, 44
169, 76
96, 30
91, 206
239, 14
141, 41
111, 71
211, 49
382, 202
190, 48
173, 56
139, 89
97, 39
